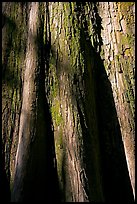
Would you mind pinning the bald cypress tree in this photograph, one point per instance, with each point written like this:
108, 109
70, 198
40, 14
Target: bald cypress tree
68, 101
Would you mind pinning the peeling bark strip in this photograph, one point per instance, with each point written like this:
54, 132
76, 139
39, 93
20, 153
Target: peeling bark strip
28, 111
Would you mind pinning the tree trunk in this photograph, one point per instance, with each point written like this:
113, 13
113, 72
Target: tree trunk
71, 97
118, 38
68, 101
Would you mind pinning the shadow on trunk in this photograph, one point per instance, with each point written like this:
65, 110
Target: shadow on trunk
116, 181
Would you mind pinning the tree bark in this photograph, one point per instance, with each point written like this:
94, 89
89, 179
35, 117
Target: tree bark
118, 38
69, 126
28, 110
73, 124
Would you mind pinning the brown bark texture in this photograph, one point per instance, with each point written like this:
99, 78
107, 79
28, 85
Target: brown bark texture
68, 109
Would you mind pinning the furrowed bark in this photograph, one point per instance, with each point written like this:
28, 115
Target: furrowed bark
68, 111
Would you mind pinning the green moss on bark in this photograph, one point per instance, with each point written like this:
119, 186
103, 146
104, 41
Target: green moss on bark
56, 114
